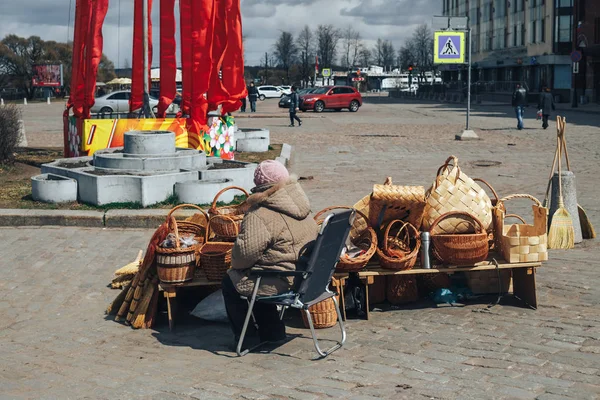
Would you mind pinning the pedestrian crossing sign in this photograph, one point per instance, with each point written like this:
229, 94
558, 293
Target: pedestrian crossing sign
449, 47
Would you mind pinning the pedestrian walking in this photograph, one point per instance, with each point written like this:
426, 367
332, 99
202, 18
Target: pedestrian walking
546, 105
519, 101
294, 107
252, 96
243, 108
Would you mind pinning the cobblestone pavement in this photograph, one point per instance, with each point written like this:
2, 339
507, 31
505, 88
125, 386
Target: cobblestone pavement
56, 343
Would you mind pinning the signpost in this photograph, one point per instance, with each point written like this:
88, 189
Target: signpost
326, 72
449, 48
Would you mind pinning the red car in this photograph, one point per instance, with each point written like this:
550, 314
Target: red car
333, 97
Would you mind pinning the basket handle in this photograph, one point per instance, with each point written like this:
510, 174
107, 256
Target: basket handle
216, 199
172, 223
490, 187
520, 196
323, 211
186, 206
446, 167
405, 227
515, 216
225, 217
476, 225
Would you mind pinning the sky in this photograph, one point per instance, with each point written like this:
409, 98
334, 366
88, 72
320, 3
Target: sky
262, 20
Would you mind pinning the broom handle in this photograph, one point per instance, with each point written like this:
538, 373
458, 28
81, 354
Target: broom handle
564, 142
560, 196
553, 163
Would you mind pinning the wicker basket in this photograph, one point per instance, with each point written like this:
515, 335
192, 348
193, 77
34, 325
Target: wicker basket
432, 282
460, 249
522, 242
195, 224
402, 289
377, 290
177, 264
230, 226
390, 202
453, 190
486, 282
410, 242
323, 314
215, 257
365, 239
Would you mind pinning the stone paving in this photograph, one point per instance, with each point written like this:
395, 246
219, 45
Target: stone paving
56, 343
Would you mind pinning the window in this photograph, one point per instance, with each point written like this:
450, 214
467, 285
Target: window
506, 41
562, 77
514, 36
564, 3
533, 31
563, 28
543, 30
119, 96
523, 31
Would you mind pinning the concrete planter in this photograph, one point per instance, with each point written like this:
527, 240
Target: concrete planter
242, 176
51, 188
253, 145
203, 192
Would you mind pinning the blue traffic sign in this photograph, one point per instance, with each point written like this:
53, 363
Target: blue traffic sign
576, 56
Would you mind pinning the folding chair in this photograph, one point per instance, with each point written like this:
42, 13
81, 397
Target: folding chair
312, 279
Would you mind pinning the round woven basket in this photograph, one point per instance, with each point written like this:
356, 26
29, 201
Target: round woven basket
176, 264
460, 249
402, 289
323, 314
215, 257
363, 237
230, 226
410, 241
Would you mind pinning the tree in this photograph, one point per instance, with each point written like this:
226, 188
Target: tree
422, 49
285, 52
378, 52
327, 40
364, 56
405, 56
306, 47
388, 54
351, 46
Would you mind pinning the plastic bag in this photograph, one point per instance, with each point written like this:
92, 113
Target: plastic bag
212, 308
539, 115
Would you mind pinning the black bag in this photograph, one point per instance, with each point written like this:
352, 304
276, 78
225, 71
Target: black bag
355, 297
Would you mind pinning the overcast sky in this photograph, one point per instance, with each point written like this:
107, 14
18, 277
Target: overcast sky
262, 20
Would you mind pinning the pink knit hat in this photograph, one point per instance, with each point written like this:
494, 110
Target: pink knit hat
270, 171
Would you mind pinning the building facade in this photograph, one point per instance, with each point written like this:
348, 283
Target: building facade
521, 41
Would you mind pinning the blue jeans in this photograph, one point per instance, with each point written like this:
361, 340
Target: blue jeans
519, 111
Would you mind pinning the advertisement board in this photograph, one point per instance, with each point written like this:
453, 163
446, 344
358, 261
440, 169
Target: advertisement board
47, 75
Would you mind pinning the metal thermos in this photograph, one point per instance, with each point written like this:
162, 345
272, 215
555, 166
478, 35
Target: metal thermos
425, 242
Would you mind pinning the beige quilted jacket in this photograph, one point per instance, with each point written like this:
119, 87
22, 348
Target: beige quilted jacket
274, 231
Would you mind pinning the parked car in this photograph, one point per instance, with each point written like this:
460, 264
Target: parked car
331, 97
286, 90
265, 92
285, 100
117, 102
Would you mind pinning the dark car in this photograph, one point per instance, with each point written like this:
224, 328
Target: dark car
285, 100
331, 97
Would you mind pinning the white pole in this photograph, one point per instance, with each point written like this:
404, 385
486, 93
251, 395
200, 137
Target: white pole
25, 100
48, 100
469, 83
146, 107
1, 101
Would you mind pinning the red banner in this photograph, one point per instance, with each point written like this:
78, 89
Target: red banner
168, 63
217, 93
93, 52
82, 22
136, 100
203, 12
185, 29
233, 62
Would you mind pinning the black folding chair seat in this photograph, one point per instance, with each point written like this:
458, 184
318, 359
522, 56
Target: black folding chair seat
312, 281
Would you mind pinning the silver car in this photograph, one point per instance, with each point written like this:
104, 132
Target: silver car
117, 102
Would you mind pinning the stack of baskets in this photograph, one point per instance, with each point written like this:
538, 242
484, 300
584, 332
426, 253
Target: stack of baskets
361, 236
175, 265
227, 220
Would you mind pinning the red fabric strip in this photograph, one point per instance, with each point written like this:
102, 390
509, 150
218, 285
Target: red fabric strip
168, 62
137, 66
217, 93
80, 33
233, 62
93, 52
185, 30
203, 14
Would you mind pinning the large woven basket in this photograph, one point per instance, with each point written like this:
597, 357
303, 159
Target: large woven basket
489, 282
407, 239
364, 238
323, 314
522, 242
460, 249
453, 190
402, 289
228, 227
196, 224
215, 257
177, 264
389, 202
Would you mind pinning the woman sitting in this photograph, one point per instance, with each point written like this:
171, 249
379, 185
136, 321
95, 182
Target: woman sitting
273, 232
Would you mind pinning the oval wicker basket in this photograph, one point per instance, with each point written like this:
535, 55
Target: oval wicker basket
228, 227
195, 224
364, 238
323, 314
215, 257
460, 249
175, 265
410, 241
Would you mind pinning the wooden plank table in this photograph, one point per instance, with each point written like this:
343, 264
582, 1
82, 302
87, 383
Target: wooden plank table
523, 275
170, 293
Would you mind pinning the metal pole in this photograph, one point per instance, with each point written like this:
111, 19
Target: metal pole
575, 20
147, 111
469, 83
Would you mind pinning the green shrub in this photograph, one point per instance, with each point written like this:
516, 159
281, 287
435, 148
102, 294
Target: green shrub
9, 131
